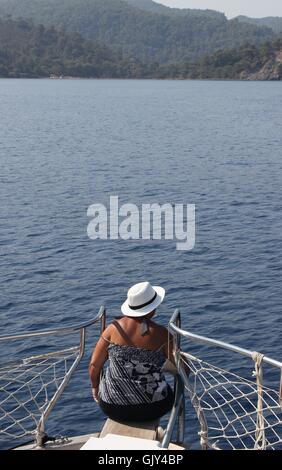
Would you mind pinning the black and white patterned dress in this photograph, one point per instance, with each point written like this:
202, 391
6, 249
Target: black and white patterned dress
133, 376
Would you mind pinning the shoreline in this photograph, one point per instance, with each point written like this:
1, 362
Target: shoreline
147, 79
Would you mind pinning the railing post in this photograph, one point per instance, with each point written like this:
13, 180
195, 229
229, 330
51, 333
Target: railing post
82, 341
103, 319
40, 433
181, 421
280, 389
175, 412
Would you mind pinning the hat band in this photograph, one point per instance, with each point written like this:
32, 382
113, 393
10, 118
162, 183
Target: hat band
144, 305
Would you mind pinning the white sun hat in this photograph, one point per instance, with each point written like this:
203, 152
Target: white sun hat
142, 299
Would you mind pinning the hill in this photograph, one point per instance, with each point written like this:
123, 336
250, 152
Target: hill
134, 31
247, 62
29, 51
273, 22
150, 5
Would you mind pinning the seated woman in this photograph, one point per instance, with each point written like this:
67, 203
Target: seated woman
133, 387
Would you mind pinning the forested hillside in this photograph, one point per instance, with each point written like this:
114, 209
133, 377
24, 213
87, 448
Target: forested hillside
273, 22
247, 62
150, 5
145, 35
30, 51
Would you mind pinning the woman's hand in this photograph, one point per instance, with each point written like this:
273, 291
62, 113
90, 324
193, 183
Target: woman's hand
95, 393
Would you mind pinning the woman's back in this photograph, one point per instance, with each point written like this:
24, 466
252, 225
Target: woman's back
133, 332
133, 386
134, 374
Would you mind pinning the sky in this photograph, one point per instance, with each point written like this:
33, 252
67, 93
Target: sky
253, 8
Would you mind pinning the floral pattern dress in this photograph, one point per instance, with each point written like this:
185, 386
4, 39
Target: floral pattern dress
133, 376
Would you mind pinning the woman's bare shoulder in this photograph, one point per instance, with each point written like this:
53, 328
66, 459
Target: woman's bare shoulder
107, 333
113, 327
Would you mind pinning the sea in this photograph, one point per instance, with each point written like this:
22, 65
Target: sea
68, 144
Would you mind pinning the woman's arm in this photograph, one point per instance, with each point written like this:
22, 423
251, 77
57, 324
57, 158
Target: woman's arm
98, 359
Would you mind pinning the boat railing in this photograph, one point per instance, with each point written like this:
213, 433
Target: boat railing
177, 415
233, 412
31, 387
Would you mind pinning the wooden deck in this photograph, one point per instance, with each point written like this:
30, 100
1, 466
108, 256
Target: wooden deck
149, 430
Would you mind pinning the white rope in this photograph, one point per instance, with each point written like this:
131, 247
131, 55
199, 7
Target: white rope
260, 443
26, 389
233, 412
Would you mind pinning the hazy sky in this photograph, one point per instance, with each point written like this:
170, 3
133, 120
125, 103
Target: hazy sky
254, 8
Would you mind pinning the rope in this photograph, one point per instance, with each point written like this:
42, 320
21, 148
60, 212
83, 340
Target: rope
26, 390
260, 443
233, 412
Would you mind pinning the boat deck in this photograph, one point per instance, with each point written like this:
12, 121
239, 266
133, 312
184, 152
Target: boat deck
149, 431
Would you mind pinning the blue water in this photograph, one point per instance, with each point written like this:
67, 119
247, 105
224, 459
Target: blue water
67, 144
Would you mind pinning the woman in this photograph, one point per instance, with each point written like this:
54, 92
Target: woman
133, 387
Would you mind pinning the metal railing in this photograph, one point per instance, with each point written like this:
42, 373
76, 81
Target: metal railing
8, 380
256, 404
174, 328
233, 412
177, 415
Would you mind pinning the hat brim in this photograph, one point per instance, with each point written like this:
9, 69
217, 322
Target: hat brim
127, 311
